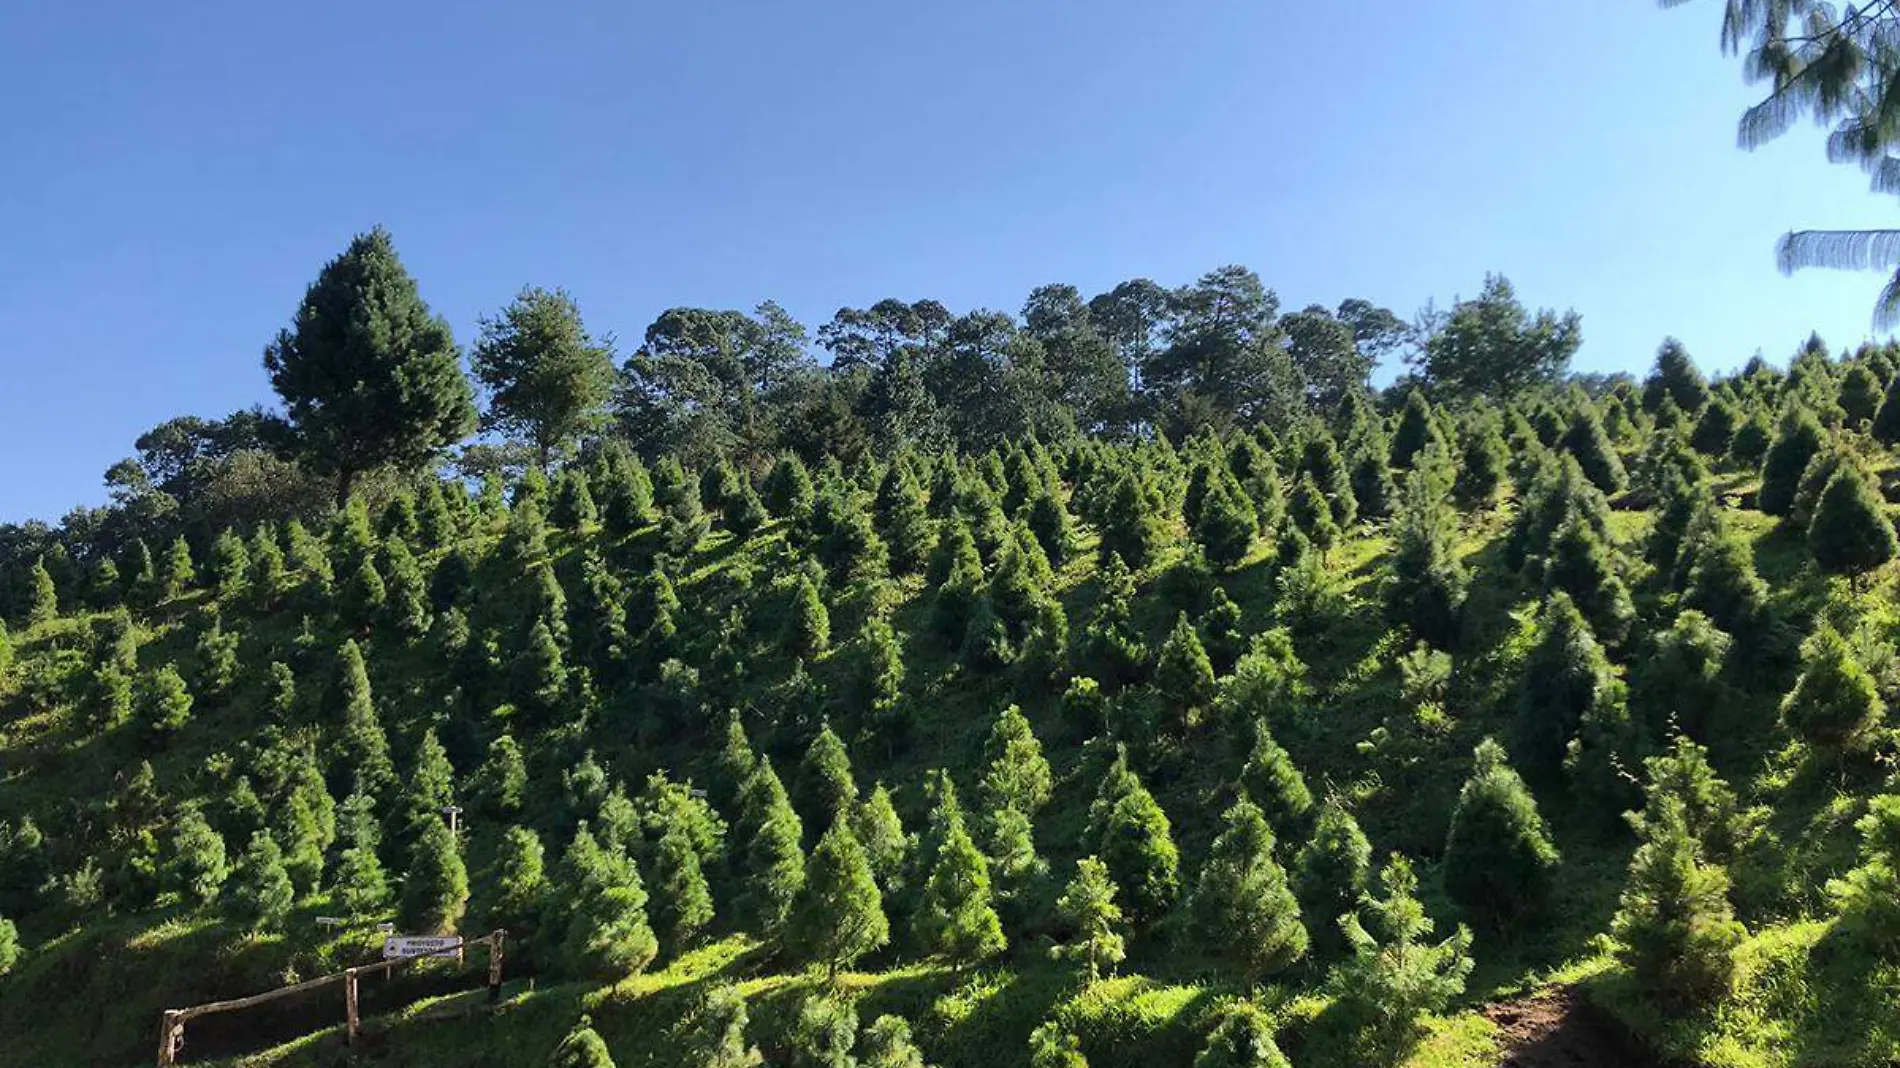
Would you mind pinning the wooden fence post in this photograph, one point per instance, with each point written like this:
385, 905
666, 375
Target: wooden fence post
351, 1023
169, 1031
495, 941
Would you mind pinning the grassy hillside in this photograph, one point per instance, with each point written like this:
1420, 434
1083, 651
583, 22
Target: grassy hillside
674, 617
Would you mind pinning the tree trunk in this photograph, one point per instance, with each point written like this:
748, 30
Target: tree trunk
345, 482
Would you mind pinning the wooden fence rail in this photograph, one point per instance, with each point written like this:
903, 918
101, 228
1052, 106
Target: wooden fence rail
171, 1029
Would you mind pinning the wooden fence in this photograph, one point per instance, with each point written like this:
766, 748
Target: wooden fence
171, 1029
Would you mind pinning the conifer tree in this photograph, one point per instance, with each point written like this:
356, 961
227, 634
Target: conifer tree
887, 1044
1681, 775
217, 659
880, 831
358, 882
515, 884
1330, 871
195, 868
180, 572
1564, 677
435, 889
1371, 480
540, 672
1580, 564
1018, 775
1242, 1039
141, 574
1426, 590
10, 946
1886, 422
1111, 648
839, 914
1869, 895
1860, 395
809, 631
1320, 460
1053, 1046
1130, 528
268, 580
1184, 675
364, 594
363, 748
230, 565
1674, 928
607, 935
368, 375
407, 600
1227, 524
582, 1048
1243, 905
166, 704
1394, 975
1835, 701
1049, 520
788, 488
824, 1032
956, 918
1714, 432
1675, 378
1719, 575
574, 508
1482, 460
261, 893
310, 825
716, 1038
1799, 438
500, 784
1137, 844
774, 859
1312, 515
1272, 781
1679, 683
826, 790
1850, 533
1415, 430
1499, 860
683, 898
427, 790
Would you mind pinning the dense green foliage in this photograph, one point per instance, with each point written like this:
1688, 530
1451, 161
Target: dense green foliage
1192, 652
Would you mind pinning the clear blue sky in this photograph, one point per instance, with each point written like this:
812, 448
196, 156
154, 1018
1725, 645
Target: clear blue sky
176, 173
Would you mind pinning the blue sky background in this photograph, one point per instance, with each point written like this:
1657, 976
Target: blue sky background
174, 174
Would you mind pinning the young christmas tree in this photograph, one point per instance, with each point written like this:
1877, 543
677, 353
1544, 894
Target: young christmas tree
1330, 871
1137, 844
886, 845
887, 1044
1183, 674
515, 886
774, 857
823, 1032
582, 1048
1835, 702
839, 914
1564, 677
1674, 928
1850, 533
435, 889
1272, 781
1053, 1046
1243, 906
261, 893
1088, 910
1018, 775
166, 703
1499, 859
826, 790
363, 748
715, 1034
358, 882
1868, 896
194, 868
607, 934
1798, 439
1242, 1039
1395, 975
956, 918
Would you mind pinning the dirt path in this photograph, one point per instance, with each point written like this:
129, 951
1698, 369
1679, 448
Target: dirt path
1559, 1029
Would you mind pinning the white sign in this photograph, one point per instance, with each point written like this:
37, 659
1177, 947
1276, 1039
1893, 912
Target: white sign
402, 947
331, 921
